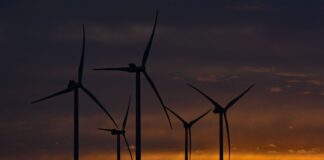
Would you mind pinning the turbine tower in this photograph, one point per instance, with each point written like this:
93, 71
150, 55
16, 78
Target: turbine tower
74, 86
187, 126
138, 70
222, 111
120, 132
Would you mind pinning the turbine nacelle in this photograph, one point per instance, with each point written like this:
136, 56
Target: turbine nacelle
134, 68
73, 84
116, 132
187, 125
218, 110
132, 65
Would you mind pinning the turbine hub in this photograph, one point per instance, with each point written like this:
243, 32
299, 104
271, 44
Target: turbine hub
132, 65
117, 132
72, 84
134, 68
186, 125
216, 110
114, 131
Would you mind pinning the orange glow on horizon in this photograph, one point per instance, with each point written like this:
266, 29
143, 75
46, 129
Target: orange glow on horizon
201, 156
197, 156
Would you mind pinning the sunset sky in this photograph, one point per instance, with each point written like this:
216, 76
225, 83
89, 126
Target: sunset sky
222, 47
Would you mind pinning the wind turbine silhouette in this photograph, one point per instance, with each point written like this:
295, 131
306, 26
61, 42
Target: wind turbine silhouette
117, 132
74, 86
222, 111
187, 126
132, 68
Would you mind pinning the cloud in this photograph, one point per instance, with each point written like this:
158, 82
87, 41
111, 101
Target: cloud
176, 77
272, 145
293, 81
273, 152
289, 86
314, 150
305, 92
259, 69
276, 89
206, 77
291, 74
291, 151
232, 77
302, 151
315, 82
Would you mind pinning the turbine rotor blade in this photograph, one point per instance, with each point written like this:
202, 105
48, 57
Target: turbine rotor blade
232, 102
125, 69
158, 95
126, 115
216, 105
53, 95
80, 74
200, 117
228, 136
99, 104
148, 47
128, 147
104, 129
175, 114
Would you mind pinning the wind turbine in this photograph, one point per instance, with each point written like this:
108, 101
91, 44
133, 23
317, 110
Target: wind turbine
187, 126
222, 111
120, 132
138, 69
74, 86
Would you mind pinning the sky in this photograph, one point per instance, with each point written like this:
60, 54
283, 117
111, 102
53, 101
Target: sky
221, 47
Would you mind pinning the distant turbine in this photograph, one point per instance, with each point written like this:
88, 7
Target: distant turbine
187, 126
75, 86
117, 132
132, 68
222, 112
